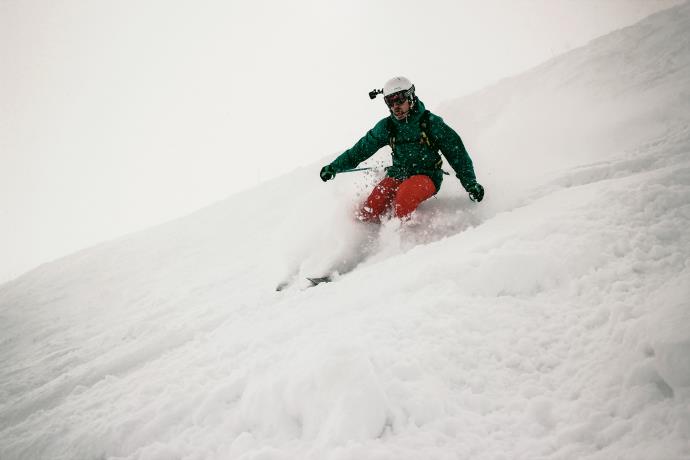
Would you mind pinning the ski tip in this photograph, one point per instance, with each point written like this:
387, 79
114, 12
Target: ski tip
283, 285
317, 281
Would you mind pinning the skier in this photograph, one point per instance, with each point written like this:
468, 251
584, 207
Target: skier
415, 136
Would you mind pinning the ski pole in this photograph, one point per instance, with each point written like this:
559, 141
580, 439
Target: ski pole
356, 169
369, 169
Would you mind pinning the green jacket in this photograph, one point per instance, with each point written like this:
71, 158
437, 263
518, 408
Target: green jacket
412, 156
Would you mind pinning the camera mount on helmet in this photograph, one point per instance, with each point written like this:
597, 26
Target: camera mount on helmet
375, 92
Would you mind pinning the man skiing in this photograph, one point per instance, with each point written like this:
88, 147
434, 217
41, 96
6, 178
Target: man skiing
415, 136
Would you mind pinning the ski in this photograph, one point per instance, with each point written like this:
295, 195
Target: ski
317, 281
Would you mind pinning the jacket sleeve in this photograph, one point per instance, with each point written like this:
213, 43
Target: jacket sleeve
368, 145
454, 150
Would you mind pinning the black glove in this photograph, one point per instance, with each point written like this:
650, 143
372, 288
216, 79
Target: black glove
327, 173
476, 192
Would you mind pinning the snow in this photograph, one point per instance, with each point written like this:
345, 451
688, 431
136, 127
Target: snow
551, 321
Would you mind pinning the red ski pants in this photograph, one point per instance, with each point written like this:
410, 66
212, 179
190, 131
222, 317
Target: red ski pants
403, 196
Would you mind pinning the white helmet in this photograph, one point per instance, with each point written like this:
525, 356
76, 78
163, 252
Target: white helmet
396, 87
397, 84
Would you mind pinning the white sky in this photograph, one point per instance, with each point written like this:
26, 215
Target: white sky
116, 115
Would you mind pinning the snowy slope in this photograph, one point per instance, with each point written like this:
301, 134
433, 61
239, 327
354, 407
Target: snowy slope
552, 321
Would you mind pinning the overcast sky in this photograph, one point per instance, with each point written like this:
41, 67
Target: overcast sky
117, 115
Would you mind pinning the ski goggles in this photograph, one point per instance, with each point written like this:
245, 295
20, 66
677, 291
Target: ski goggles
396, 98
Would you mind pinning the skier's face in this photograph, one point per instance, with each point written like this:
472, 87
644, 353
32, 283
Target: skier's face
400, 109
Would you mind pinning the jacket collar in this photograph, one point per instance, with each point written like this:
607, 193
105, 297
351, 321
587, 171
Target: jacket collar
413, 116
